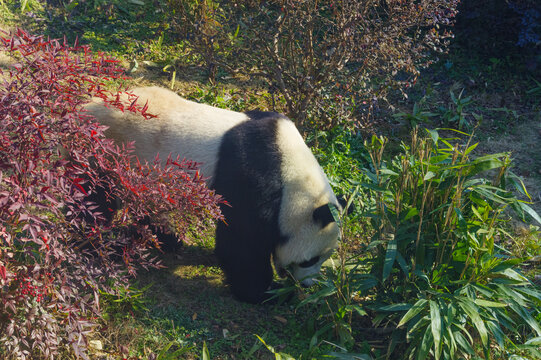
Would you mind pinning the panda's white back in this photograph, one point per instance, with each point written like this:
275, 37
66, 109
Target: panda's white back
182, 127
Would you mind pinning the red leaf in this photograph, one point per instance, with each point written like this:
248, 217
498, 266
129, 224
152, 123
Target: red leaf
82, 189
3, 272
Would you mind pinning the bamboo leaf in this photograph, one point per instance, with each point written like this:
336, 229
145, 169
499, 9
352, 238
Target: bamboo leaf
463, 343
457, 131
439, 158
535, 341
206, 355
449, 339
514, 275
356, 308
518, 184
526, 208
526, 316
484, 191
480, 165
323, 293
468, 150
495, 329
473, 312
395, 307
530, 292
434, 135
461, 220
435, 325
487, 303
411, 213
413, 311
390, 257
429, 175
164, 350
335, 212
374, 187
388, 172
402, 262
425, 346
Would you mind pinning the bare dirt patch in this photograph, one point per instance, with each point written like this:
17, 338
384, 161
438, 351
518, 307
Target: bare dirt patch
524, 143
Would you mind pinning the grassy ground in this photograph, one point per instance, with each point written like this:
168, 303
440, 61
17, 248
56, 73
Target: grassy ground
187, 303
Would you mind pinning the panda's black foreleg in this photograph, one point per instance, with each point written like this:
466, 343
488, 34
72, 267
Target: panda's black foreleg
101, 197
246, 265
169, 242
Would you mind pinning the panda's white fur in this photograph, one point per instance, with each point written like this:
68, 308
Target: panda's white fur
181, 127
197, 132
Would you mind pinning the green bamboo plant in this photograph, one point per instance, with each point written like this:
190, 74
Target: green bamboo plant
445, 278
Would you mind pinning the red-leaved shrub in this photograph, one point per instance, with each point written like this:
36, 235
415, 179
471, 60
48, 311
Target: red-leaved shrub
55, 249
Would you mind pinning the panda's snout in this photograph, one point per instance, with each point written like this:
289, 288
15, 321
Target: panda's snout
308, 282
306, 271
306, 276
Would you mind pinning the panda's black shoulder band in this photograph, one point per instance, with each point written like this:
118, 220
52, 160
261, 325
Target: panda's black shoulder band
260, 115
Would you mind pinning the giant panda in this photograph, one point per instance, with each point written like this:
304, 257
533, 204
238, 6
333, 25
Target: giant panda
279, 196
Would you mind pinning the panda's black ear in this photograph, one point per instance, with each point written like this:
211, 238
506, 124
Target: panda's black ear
323, 216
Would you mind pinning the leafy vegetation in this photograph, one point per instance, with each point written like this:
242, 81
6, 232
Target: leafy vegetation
57, 250
439, 257
439, 254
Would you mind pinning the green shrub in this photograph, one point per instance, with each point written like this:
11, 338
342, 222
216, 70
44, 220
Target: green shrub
440, 261
438, 280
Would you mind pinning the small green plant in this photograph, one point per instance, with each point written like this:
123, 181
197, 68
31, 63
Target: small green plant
277, 355
124, 298
342, 156
205, 355
456, 113
177, 354
416, 117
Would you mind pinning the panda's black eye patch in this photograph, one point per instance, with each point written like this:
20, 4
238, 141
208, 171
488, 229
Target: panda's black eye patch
310, 262
322, 215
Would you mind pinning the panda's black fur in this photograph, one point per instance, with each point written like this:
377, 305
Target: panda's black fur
246, 177
278, 197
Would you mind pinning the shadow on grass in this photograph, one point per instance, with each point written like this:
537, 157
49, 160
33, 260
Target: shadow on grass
188, 303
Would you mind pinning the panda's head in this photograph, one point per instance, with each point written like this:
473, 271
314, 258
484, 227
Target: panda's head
312, 240
306, 223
